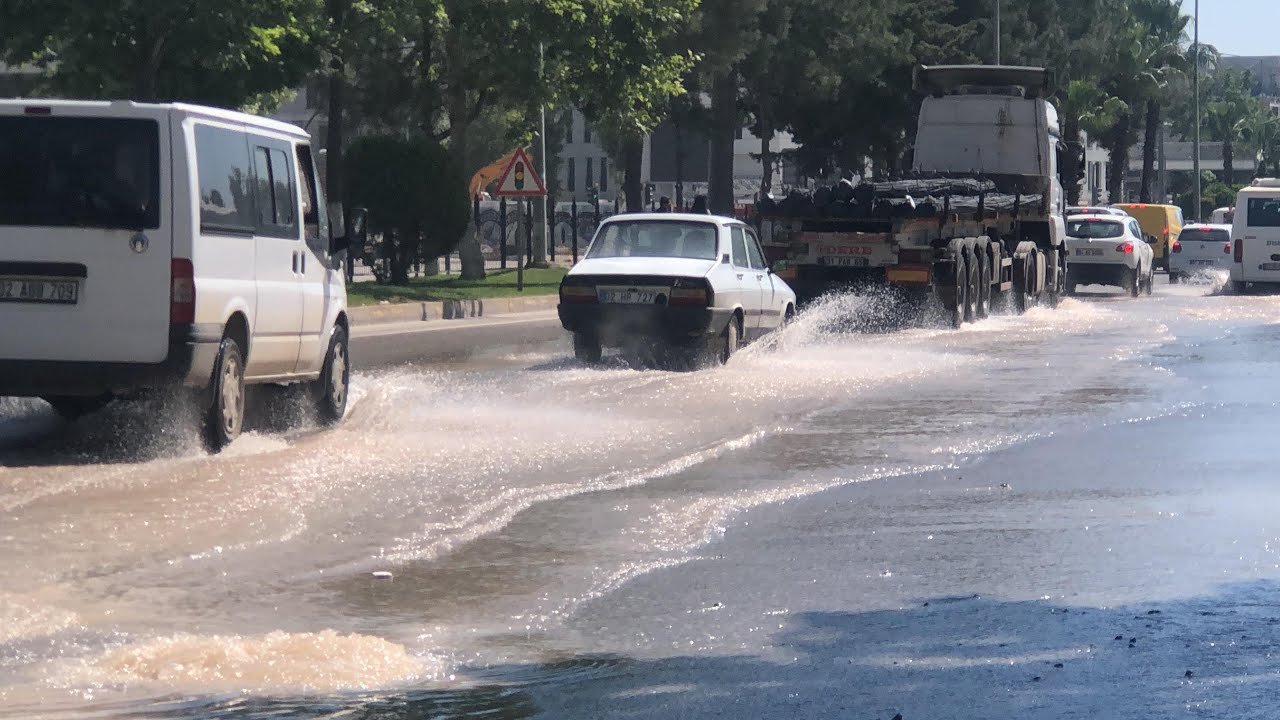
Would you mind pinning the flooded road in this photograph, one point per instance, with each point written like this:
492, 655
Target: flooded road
926, 522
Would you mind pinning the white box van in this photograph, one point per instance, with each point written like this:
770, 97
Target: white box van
1255, 235
144, 246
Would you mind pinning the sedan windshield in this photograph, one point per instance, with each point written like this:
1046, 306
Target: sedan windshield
84, 172
1094, 229
656, 238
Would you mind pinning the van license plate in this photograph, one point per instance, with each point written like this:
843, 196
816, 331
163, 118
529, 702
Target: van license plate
21, 289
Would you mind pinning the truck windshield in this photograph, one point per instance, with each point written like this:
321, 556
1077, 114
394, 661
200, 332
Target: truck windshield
656, 238
1094, 229
79, 172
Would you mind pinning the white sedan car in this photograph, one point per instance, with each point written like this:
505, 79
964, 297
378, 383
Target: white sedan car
1200, 249
1108, 250
685, 285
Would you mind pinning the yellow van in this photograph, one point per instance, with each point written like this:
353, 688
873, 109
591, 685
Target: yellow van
1164, 222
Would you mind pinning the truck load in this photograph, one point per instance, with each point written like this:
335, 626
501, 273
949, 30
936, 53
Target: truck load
978, 222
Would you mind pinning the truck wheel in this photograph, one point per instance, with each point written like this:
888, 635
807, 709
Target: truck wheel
1057, 280
959, 302
972, 286
335, 379
224, 418
1023, 279
586, 348
982, 266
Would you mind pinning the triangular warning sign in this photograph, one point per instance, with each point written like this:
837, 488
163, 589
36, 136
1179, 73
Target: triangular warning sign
520, 179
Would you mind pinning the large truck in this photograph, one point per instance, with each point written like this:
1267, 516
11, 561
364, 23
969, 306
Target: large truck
979, 220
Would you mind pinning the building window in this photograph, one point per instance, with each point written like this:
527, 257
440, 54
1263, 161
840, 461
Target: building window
604, 174
572, 180
589, 174
568, 128
586, 132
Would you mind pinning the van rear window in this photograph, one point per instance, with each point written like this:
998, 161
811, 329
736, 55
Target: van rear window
81, 172
1263, 212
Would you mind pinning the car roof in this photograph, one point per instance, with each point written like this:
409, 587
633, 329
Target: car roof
673, 217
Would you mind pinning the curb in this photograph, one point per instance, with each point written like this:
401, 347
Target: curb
449, 309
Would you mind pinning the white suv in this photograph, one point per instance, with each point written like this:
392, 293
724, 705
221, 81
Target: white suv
1108, 250
144, 246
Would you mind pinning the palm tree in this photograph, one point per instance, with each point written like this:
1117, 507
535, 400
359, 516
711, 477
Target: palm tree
1086, 106
1227, 115
1163, 59
1262, 132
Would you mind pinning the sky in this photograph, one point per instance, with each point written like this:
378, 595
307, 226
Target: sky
1239, 27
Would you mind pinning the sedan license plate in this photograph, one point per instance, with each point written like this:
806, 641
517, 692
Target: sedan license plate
629, 297
833, 261
39, 290
1089, 251
1270, 266
1201, 262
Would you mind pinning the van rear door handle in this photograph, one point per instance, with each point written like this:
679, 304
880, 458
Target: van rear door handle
304, 262
295, 263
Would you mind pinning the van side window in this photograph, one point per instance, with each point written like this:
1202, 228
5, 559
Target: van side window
226, 180
274, 191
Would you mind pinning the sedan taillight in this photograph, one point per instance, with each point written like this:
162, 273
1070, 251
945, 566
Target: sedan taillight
688, 292
1226, 248
1177, 246
579, 294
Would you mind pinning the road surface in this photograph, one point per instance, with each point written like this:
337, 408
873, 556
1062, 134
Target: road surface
926, 522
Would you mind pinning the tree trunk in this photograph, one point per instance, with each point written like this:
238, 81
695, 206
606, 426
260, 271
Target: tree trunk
469, 254
765, 121
1150, 137
1228, 162
632, 170
724, 123
1073, 174
1118, 165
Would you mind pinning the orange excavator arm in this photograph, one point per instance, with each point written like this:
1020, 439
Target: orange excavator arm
489, 173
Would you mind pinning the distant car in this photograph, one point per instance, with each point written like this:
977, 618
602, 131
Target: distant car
697, 285
1223, 216
1108, 250
1096, 210
1198, 249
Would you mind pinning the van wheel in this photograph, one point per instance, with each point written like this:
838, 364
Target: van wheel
225, 417
334, 384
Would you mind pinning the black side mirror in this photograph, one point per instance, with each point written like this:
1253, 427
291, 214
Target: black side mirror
725, 259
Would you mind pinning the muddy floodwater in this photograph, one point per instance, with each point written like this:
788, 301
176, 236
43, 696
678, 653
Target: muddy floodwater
1069, 513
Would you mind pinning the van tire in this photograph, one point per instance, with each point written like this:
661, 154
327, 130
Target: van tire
224, 418
334, 386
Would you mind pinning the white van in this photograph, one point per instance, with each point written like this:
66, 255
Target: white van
145, 246
1255, 235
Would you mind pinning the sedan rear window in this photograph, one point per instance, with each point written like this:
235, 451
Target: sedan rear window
656, 238
1199, 235
82, 172
1094, 229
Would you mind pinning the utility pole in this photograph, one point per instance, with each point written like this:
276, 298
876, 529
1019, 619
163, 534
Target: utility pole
542, 161
1195, 72
998, 31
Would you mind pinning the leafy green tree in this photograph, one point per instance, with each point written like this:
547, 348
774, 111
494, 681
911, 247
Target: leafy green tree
221, 53
415, 194
1227, 113
1085, 106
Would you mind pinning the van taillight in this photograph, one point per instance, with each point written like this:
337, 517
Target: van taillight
182, 291
1239, 254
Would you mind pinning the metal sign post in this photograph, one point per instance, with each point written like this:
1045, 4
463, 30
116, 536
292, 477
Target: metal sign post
520, 180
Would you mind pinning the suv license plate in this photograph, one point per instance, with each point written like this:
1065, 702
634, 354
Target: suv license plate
39, 290
628, 297
835, 261
1089, 251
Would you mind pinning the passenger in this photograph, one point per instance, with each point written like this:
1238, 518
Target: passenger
700, 206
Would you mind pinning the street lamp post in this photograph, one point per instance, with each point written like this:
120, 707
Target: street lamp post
1195, 73
998, 31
